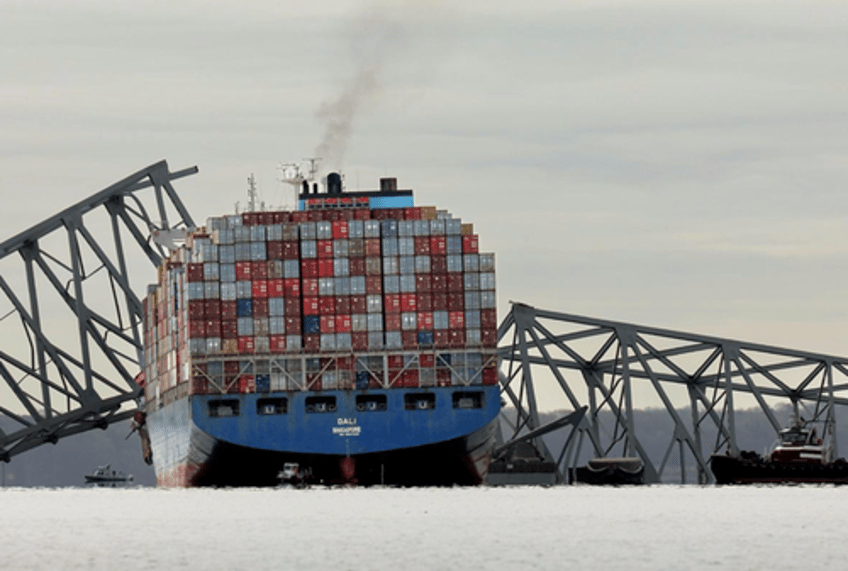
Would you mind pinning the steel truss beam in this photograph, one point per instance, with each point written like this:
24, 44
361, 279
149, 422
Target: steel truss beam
70, 320
601, 364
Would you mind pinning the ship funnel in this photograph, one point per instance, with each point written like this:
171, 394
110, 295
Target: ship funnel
334, 183
388, 184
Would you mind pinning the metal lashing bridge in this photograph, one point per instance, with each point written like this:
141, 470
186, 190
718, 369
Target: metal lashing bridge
598, 367
70, 320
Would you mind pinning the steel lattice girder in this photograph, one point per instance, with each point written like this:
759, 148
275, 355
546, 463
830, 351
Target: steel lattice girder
598, 363
72, 324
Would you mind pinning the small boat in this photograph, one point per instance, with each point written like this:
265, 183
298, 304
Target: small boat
610, 472
105, 475
798, 456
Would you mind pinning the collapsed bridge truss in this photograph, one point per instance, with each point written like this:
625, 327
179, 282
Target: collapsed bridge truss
70, 319
603, 365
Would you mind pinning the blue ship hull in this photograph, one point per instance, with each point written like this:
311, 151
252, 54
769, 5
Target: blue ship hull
439, 436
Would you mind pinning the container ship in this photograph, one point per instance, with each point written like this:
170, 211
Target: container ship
352, 338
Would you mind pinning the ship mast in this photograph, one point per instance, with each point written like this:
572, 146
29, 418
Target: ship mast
291, 173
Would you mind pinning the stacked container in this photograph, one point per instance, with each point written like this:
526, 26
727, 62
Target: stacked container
338, 297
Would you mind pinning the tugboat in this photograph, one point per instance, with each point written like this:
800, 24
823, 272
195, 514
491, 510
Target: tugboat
629, 471
798, 456
105, 476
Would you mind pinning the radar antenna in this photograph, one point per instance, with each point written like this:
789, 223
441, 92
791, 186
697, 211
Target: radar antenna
292, 173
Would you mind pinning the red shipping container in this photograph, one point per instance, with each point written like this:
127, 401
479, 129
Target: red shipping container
409, 339
328, 324
356, 266
212, 308
340, 230
300, 216
325, 248
372, 247
290, 288
231, 367
489, 337
361, 213
395, 362
277, 343
488, 318
246, 384
438, 264
410, 379
373, 285
293, 326
425, 302
260, 307
426, 361
413, 213
425, 320
439, 283
213, 327
358, 304
198, 386
310, 287
457, 337
274, 250
392, 320
259, 270
276, 287
194, 272
441, 338
229, 329
197, 328
469, 244
373, 266
292, 307
490, 376
438, 246
392, 302
244, 271
456, 320
343, 305
359, 341
291, 250
408, 302
440, 302
343, 362
456, 302
312, 343
309, 269
250, 218
196, 308
443, 378
246, 345
423, 283
325, 268
455, 282
343, 324
327, 305
260, 288
310, 306
422, 245
229, 309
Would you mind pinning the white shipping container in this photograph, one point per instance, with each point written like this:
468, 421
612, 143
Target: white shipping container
472, 337
453, 226
228, 272
407, 283
375, 323
276, 308
242, 251
324, 230
308, 249
488, 300
260, 326
391, 265
357, 285
422, 264
487, 280
406, 264
262, 344
241, 234
245, 326
257, 233
374, 303
328, 342
409, 321
389, 246
406, 228
406, 246
454, 262
341, 248
211, 271
208, 252
359, 322
391, 284
291, 268
244, 289
421, 227
212, 290
326, 286
453, 245
197, 346
307, 231
294, 343
276, 325
437, 227
471, 281
487, 262
471, 262
342, 286
472, 300
375, 339
213, 345
343, 342
341, 267
355, 229
279, 382
258, 252
371, 228
394, 340
472, 319
274, 233
440, 320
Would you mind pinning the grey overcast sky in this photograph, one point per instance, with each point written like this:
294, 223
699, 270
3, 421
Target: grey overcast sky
679, 164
